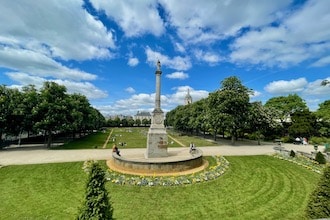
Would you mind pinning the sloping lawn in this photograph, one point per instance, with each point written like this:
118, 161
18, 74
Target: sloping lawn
91, 141
254, 187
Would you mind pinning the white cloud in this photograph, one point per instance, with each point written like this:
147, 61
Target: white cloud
209, 57
286, 87
133, 61
208, 21
255, 94
134, 17
179, 47
324, 61
304, 34
177, 62
84, 88
38, 64
55, 30
130, 90
177, 75
146, 102
316, 89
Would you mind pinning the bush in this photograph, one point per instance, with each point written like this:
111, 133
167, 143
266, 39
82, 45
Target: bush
320, 158
317, 140
292, 153
286, 139
319, 203
96, 205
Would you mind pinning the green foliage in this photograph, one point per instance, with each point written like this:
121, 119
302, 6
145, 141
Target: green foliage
320, 158
96, 205
292, 153
319, 140
50, 111
319, 203
303, 124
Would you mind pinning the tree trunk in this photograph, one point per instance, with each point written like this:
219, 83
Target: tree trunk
49, 139
232, 141
215, 135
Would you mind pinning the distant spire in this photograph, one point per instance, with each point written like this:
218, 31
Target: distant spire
188, 98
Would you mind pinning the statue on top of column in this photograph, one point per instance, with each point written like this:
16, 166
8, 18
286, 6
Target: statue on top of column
158, 65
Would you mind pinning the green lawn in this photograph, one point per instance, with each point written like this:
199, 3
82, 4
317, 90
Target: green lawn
133, 137
91, 141
254, 187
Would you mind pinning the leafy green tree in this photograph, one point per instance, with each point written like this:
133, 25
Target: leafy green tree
284, 106
30, 100
52, 110
319, 203
231, 102
138, 122
199, 114
4, 109
303, 124
323, 118
15, 116
259, 119
96, 205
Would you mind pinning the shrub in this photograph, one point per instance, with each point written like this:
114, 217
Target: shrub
317, 140
96, 205
319, 203
320, 158
286, 139
292, 153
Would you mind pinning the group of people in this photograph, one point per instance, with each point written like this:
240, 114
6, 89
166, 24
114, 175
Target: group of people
300, 140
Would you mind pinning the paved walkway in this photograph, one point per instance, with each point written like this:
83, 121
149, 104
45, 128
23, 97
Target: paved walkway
39, 155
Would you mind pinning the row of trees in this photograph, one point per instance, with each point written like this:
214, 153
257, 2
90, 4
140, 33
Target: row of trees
228, 111
127, 122
50, 110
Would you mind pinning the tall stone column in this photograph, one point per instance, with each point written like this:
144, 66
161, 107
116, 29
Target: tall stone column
157, 137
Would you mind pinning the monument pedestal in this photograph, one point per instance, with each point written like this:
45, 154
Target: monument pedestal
157, 137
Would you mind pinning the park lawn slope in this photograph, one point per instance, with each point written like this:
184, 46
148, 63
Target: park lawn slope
254, 187
90, 141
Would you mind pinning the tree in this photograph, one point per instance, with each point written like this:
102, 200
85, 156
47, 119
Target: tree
319, 203
231, 102
323, 118
259, 119
52, 110
303, 124
30, 100
96, 204
284, 107
4, 109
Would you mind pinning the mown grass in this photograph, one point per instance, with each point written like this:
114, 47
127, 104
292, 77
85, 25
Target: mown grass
254, 187
133, 138
91, 141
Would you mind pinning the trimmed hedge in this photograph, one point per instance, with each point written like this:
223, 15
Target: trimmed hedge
319, 202
96, 205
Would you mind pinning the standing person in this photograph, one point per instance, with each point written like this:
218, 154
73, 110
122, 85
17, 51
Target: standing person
115, 149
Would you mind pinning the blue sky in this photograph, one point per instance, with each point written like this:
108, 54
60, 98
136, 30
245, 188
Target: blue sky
107, 50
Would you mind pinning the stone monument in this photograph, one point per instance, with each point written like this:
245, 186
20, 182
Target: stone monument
157, 137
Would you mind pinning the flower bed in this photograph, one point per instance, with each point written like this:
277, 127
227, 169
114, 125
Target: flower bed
302, 161
210, 173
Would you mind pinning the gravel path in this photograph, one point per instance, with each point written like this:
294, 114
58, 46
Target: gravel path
39, 155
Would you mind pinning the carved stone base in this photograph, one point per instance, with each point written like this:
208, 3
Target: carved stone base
156, 143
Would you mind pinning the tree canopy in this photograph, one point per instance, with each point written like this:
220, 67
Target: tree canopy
49, 111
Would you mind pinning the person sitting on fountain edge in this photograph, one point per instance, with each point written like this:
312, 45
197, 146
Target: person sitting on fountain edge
192, 147
115, 149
